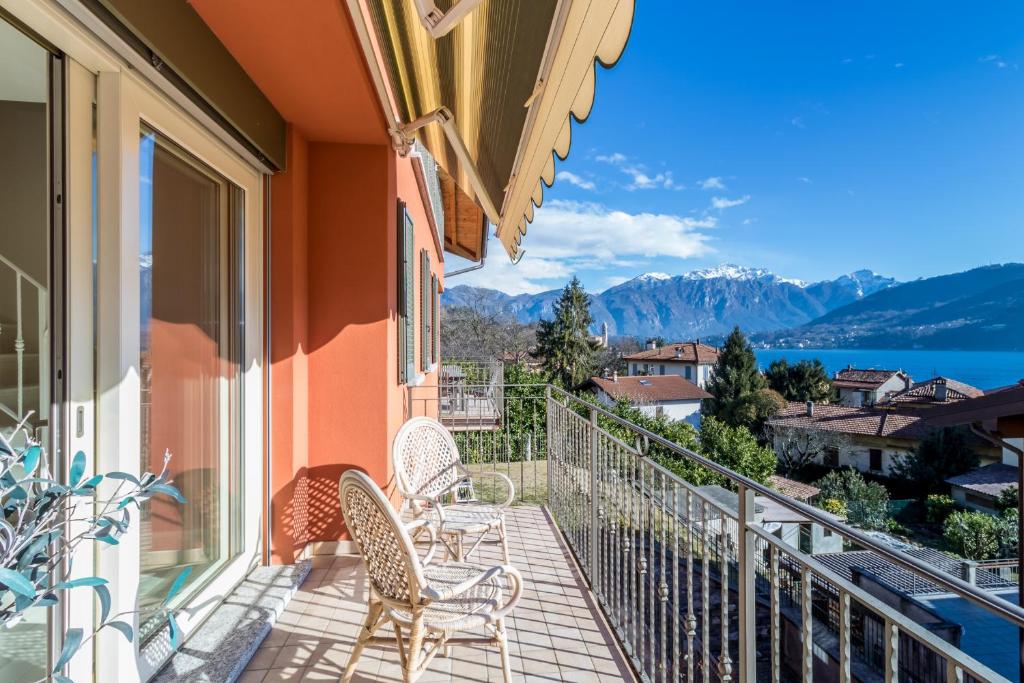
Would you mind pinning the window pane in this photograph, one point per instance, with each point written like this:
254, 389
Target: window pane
24, 278
190, 243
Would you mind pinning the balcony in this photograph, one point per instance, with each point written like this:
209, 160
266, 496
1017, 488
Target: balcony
632, 568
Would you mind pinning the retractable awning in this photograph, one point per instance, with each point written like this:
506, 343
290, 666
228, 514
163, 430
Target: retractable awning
499, 88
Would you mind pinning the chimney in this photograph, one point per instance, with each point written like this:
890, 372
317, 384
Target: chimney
907, 382
615, 375
810, 409
651, 344
604, 334
679, 352
941, 390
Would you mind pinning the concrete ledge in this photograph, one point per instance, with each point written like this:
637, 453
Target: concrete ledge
219, 651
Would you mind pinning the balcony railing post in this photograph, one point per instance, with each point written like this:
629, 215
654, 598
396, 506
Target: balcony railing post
747, 666
595, 513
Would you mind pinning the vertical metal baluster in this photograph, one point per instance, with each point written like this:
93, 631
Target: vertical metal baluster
776, 614
954, 674
691, 616
652, 535
595, 504
807, 625
642, 568
844, 637
635, 536
705, 592
663, 586
892, 650
746, 610
724, 659
677, 650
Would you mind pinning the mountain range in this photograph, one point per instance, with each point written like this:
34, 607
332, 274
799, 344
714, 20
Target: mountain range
698, 303
981, 308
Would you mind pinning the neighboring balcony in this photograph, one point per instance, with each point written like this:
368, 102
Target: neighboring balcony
691, 586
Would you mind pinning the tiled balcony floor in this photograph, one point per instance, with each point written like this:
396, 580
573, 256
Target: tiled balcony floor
555, 634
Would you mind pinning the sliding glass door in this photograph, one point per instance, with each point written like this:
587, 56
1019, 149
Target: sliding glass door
191, 347
25, 193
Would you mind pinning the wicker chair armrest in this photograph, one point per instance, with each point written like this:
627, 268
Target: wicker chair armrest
508, 484
432, 502
449, 592
430, 528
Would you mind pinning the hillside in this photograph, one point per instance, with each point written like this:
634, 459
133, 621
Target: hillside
699, 303
979, 309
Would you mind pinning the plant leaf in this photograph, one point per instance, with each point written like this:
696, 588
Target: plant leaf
92, 482
17, 583
123, 627
179, 581
61, 679
72, 641
125, 502
169, 490
77, 468
123, 475
84, 581
103, 593
109, 540
30, 458
175, 631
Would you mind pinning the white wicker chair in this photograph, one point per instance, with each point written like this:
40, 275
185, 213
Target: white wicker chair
428, 470
425, 603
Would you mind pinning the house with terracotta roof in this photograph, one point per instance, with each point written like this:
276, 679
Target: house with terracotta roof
875, 438
857, 387
670, 396
933, 392
690, 360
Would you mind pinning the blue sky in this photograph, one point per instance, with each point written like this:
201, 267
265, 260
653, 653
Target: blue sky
812, 139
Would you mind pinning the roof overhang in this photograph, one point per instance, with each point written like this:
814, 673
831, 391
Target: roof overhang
492, 97
1004, 409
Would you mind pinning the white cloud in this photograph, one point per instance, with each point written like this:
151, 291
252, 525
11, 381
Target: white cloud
898, 65
616, 280
573, 179
711, 183
805, 180
749, 221
798, 122
722, 203
530, 276
614, 158
642, 181
994, 59
847, 61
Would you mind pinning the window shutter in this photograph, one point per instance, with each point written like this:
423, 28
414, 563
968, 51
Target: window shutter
425, 332
435, 321
400, 304
408, 289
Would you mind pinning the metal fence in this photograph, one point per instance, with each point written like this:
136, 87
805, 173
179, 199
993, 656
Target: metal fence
697, 591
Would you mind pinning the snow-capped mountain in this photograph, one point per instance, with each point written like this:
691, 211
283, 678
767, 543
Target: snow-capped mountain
698, 303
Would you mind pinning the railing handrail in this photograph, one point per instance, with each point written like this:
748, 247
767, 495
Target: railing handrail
996, 605
21, 273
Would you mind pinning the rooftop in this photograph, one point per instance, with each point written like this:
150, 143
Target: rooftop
850, 420
991, 479
923, 393
683, 352
854, 378
792, 488
651, 389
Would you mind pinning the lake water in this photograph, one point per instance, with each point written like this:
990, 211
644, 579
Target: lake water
982, 369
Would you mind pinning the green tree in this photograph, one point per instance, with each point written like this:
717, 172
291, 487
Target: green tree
943, 454
804, 381
564, 342
740, 397
974, 535
1007, 499
866, 502
736, 448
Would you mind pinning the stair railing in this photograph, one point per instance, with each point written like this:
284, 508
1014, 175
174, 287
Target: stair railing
20, 279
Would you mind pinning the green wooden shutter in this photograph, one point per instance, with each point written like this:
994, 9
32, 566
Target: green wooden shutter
425, 333
435, 321
400, 304
406, 287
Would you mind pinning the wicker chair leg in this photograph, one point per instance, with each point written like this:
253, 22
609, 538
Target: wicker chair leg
506, 665
504, 542
413, 651
368, 629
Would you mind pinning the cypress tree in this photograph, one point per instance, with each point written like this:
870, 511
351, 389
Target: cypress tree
739, 393
564, 342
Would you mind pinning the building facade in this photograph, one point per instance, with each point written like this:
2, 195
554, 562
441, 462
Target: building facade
690, 360
668, 396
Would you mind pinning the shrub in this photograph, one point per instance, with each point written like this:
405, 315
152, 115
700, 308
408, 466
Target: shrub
835, 506
1007, 499
867, 502
938, 507
974, 535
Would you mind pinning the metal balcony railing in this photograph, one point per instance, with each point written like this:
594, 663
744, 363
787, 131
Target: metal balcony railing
694, 588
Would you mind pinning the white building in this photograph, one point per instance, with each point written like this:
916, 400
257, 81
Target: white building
690, 360
869, 387
671, 395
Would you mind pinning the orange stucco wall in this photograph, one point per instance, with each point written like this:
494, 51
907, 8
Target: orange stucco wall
335, 398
